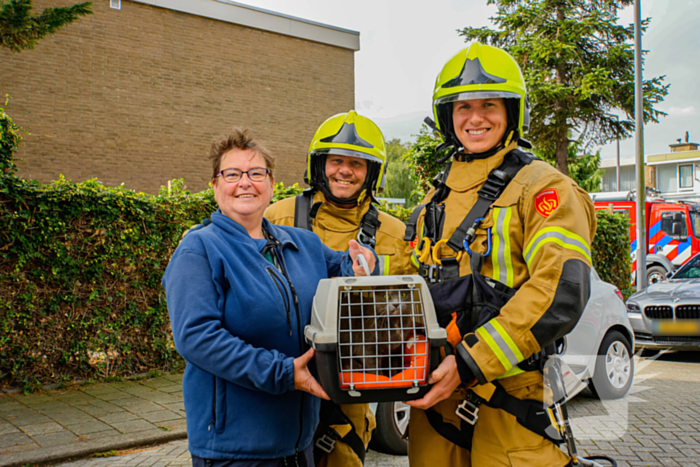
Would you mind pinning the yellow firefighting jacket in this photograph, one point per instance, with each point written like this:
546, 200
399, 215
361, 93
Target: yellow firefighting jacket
541, 231
337, 226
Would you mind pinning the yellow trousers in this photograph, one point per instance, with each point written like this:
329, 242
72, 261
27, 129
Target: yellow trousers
499, 440
343, 456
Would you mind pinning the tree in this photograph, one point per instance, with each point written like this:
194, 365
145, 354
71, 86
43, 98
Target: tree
19, 30
578, 65
584, 168
423, 161
399, 183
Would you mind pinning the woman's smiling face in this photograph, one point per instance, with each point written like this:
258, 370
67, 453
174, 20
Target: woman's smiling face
480, 123
244, 199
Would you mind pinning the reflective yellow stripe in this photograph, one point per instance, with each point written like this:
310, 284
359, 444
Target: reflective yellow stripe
414, 260
500, 254
512, 372
494, 347
501, 344
562, 237
385, 271
508, 341
418, 239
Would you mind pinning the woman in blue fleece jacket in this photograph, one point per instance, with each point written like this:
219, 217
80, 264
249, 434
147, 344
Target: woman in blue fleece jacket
239, 295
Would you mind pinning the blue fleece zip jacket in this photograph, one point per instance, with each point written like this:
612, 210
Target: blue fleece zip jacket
235, 322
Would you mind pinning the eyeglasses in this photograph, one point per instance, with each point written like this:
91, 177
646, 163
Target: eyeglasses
256, 174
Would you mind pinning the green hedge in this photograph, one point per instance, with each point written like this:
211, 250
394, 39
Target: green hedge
610, 249
80, 272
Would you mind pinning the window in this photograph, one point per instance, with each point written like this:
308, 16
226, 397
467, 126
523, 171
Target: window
695, 218
685, 176
667, 176
689, 270
668, 218
116, 4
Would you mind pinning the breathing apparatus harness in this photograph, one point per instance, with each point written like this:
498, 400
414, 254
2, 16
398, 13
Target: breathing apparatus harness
331, 416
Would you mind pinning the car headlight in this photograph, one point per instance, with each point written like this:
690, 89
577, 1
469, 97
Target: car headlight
633, 307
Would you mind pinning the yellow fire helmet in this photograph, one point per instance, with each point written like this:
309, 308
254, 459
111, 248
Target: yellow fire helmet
482, 72
348, 134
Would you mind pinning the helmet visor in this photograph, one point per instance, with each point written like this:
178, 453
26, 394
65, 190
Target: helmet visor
469, 96
346, 152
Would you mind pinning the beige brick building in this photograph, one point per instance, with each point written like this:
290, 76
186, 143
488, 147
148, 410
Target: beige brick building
135, 95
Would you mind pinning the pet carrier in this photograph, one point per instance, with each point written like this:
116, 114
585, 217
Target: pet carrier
376, 338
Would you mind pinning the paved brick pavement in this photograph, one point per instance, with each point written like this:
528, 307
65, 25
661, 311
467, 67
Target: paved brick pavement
86, 419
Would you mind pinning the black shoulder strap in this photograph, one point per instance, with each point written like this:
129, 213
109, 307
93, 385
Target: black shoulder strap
494, 186
441, 192
410, 233
302, 210
369, 226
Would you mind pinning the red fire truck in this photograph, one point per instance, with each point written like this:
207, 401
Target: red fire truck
673, 230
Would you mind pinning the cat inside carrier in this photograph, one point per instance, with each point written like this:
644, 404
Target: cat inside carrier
376, 338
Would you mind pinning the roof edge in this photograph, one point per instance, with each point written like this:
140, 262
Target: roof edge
266, 20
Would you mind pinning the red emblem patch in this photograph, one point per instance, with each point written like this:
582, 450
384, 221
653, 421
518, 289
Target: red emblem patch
546, 202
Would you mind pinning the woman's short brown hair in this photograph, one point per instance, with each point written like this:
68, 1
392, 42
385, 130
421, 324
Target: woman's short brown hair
238, 138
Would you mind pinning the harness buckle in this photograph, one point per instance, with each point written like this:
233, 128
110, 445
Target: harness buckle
468, 411
365, 239
325, 443
433, 275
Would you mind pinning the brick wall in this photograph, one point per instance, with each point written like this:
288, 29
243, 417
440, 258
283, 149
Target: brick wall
136, 95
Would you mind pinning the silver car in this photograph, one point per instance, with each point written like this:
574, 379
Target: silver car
667, 314
599, 350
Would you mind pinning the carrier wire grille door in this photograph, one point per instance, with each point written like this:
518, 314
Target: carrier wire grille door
381, 336
376, 338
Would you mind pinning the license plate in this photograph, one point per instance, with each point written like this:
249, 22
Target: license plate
676, 327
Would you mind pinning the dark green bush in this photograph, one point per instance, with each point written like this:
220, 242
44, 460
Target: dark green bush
610, 250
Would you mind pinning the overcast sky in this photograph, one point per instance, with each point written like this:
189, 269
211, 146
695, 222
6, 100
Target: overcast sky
404, 44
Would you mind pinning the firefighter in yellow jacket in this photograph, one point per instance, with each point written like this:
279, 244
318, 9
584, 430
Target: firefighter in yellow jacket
346, 166
511, 229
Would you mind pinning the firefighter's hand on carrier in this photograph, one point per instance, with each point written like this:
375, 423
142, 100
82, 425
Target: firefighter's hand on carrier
304, 380
445, 379
355, 250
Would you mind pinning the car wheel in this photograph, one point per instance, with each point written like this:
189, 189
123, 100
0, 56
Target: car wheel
614, 367
392, 423
655, 274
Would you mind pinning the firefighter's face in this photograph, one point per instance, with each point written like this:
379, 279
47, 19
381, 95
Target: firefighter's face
345, 175
480, 123
244, 200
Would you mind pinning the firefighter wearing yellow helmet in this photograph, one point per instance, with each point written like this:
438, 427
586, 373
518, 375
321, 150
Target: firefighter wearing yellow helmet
504, 239
346, 166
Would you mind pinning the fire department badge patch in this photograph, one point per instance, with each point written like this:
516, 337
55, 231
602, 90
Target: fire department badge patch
546, 202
